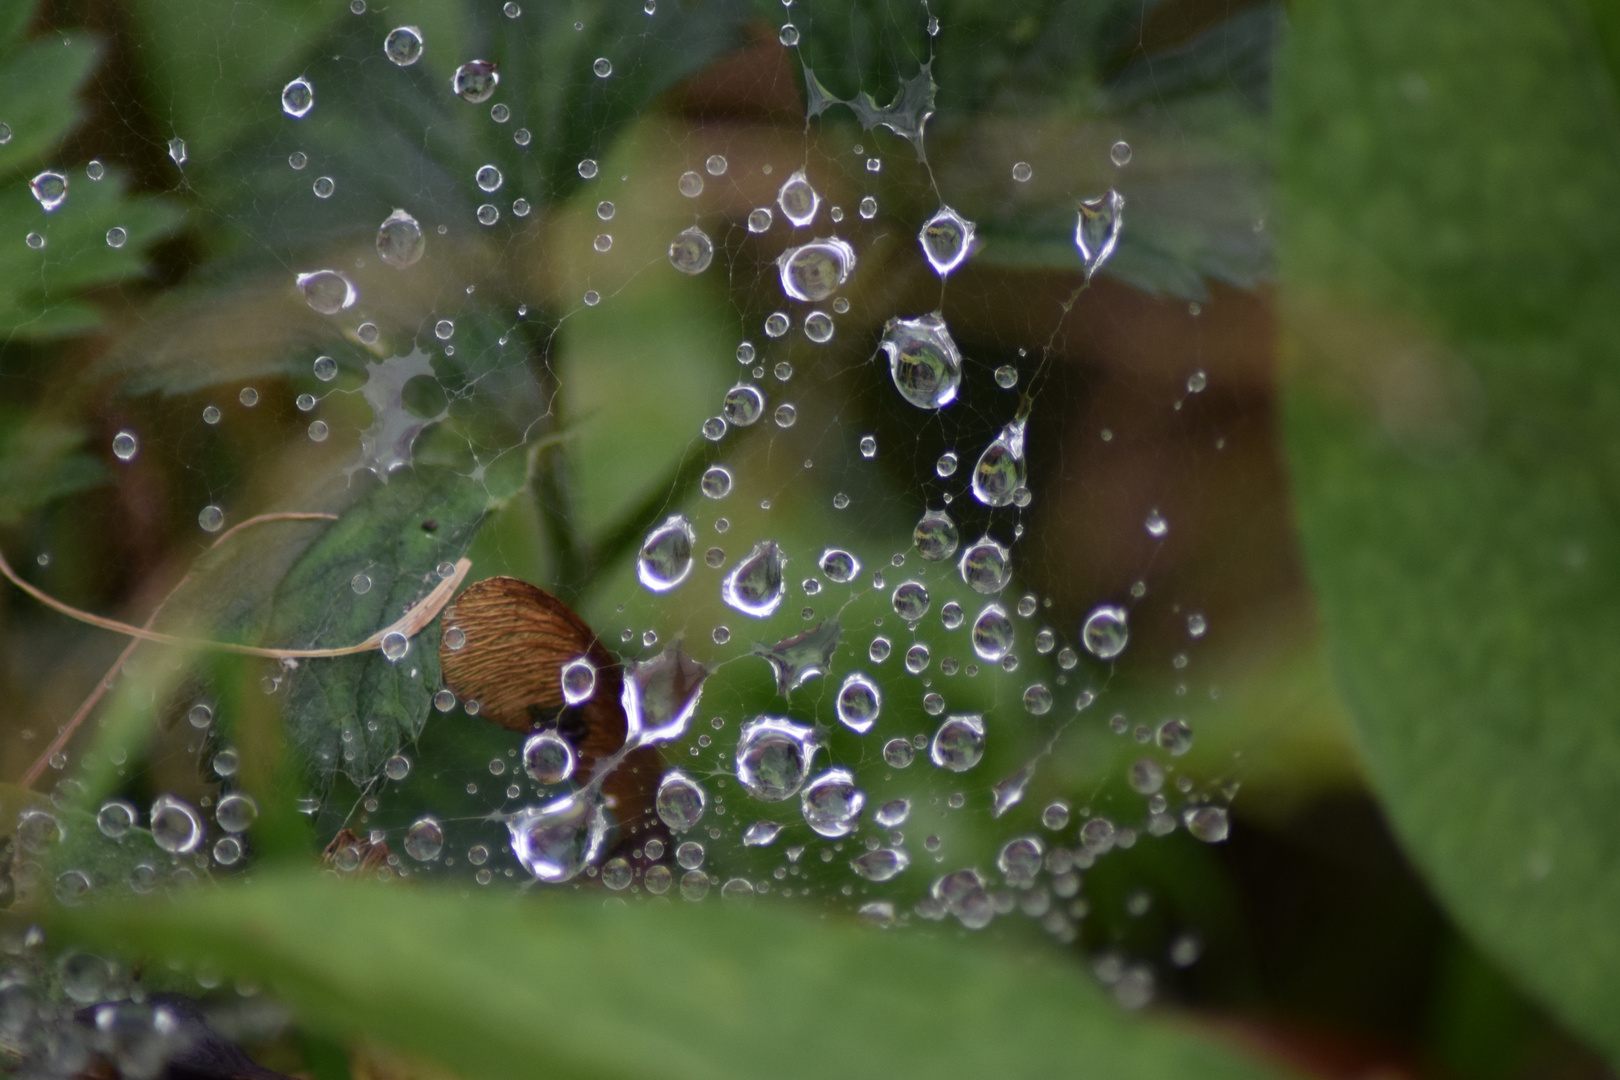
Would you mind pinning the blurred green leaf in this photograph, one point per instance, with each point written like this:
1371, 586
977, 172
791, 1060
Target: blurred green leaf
37, 79
41, 460
1452, 176
501, 986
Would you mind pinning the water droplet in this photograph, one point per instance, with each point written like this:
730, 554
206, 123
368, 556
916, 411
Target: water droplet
984, 566
578, 680
394, 646
1207, 823
814, 271
176, 828
839, 565
690, 184
398, 766
819, 327
556, 841
1037, 699
489, 214
798, 200
761, 834
34, 240
773, 757
755, 586
236, 812
785, 416
993, 633
5, 137
1006, 376
789, 35
714, 428
125, 445
776, 324
1096, 232
360, 583
1105, 632
115, 818
759, 220
297, 98
1001, 469
666, 554
959, 743
117, 236
680, 801
50, 188
587, 169
897, 753
548, 758
878, 651
947, 240
881, 864
743, 405
1197, 625
226, 762
488, 178
1196, 382
211, 518
326, 368
935, 536
716, 482
859, 702
1156, 526
868, 447
249, 397
910, 600
1146, 776
177, 151
1056, 815
923, 360
831, 803
475, 81
917, 658
323, 187
603, 243
1175, 737
1120, 153
603, 67
297, 160
691, 251
327, 291
1021, 172
424, 840
500, 113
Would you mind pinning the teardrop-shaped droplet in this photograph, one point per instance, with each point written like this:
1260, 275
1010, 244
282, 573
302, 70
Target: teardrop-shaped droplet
984, 566
832, 804
556, 841
859, 702
297, 98
327, 291
923, 360
49, 188
403, 45
993, 633
755, 585
773, 757
935, 536
959, 743
814, 271
680, 801
1105, 632
666, 554
578, 680
548, 758
400, 240
1096, 231
475, 81
691, 251
798, 200
1001, 469
946, 240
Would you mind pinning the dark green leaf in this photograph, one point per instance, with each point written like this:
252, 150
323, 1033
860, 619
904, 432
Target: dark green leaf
1452, 178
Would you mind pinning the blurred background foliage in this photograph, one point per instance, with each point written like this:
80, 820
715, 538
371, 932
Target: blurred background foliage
1389, 503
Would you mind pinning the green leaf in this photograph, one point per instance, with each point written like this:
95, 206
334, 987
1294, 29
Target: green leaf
505, 986
1452, 177
351, 713
35, 83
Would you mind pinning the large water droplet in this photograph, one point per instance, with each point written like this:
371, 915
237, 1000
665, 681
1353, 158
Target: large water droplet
666, 554
859, 702
946, 240
236, 812
488, 178
839, 565
1001, 469
923, 360
959, 743
424, 839
475, 81
297, 98
881, 864
801, 657
1105, 632
798, 200
548, 758
680, 801
400, 240
832, 804
773, 757
661, 695
755, 585
910, 600
716, 483
814, 271
556, 841
691, 251
993, 633
743, 405
984, 566
578, 680
50, 188
1096, 231
403, 45
327, 291
176, 827
935, 536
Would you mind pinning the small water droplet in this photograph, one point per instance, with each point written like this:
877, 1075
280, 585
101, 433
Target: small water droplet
1006, 376
327, 291
1207, 823
947, 240
898, 754
798, 200
832, 804
475, 81
773, 757
323, 187
211, 518
1105, 632
50, 189
394, 646
1096, 231
680, 801
1120, 153
116, 817
424, 840
1156, 526
578, 680
488, 178
1021, 172
603, 67
859, 702
910, 600
117, 237
177, 151
297, 98
690, 184
691, 251
666, 554
984, 566
176, 827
